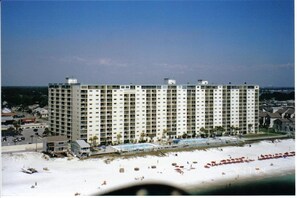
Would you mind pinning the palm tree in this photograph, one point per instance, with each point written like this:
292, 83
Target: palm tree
256, 125
95, 138
104, 140
91, 139
119, 136
164, 133
20, 131
232, 129
151, 136
223, 130
211, 132
142, 135
46, 132
202, 129
207, 132
219, 129
250, 127
184, 135
236, 129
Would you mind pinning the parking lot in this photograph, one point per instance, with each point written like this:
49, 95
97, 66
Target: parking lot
24, 138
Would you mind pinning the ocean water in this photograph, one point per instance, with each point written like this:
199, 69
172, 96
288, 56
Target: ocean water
277, 185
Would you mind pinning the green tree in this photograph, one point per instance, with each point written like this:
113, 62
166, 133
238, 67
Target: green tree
184, 135
151, 136
24, 96
119, 136
46, 132
211, 132
235, 130
164, 134
202, 129
36, 131
232, 129
219, 129
103, 140
207, 132
250, 128
53, 133
95, 138
91, 140
142, 135
16, 125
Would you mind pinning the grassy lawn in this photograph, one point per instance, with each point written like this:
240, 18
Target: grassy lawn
262, 134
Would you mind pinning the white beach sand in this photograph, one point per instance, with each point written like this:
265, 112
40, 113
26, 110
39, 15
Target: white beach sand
67, 177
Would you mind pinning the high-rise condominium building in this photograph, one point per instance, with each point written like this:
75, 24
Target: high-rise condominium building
129, 113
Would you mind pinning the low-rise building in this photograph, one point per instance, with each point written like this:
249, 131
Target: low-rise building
7, 120
287, 112
286, 125
27, 120
262, 118
34, 126
80, 148
267, 118
32, 107
6, 110
271, 117
40, 112
55, 144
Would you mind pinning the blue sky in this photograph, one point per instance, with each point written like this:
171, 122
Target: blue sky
123, 42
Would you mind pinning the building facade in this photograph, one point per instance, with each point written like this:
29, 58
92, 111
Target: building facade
130, 113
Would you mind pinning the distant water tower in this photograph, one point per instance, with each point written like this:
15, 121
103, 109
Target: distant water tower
169, 81
71, 80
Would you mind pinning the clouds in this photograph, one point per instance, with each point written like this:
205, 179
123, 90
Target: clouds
169, 67
285, 66
139, 72
267, 66
107, 62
